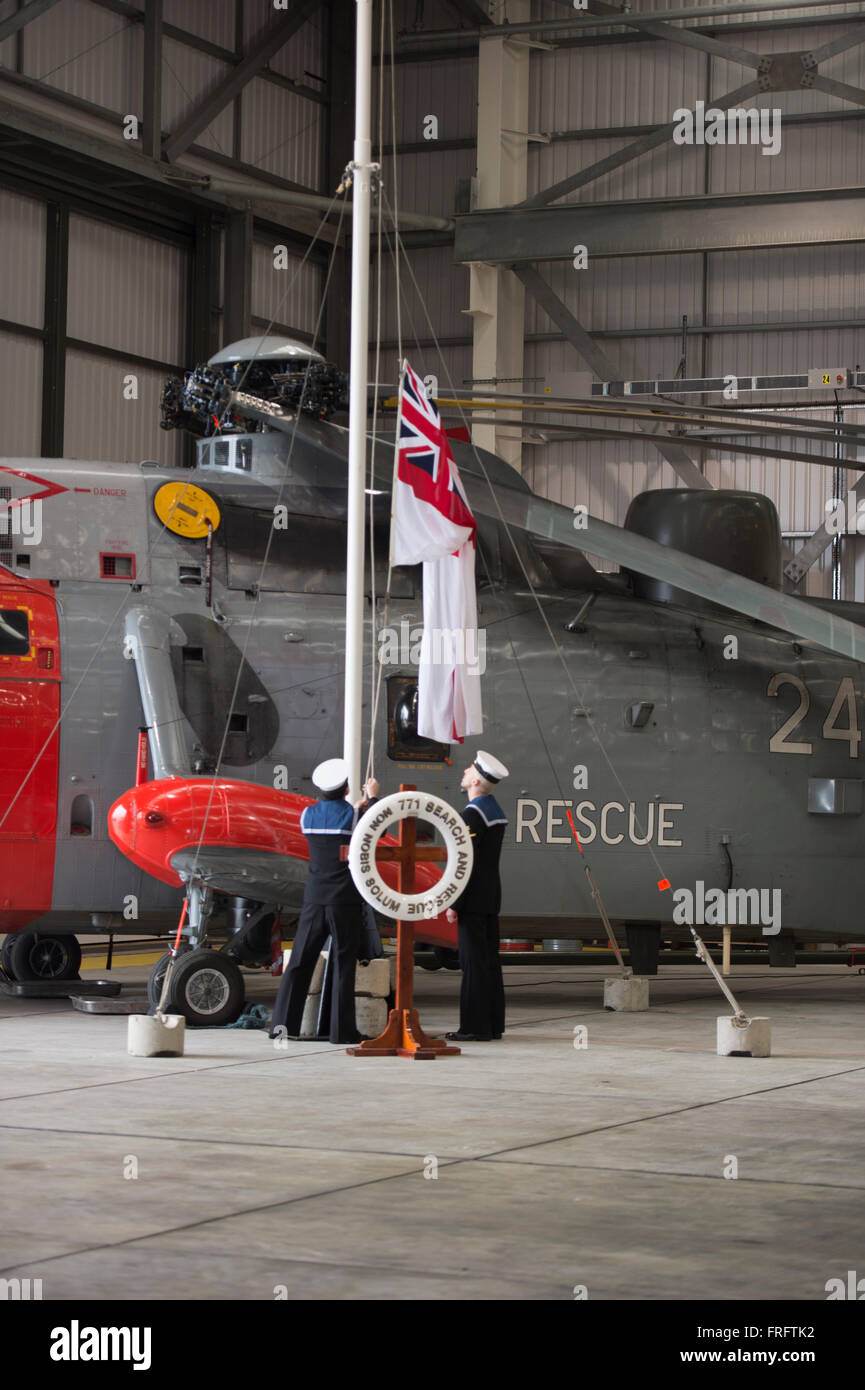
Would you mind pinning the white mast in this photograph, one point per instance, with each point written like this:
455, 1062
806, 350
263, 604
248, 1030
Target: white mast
358, 373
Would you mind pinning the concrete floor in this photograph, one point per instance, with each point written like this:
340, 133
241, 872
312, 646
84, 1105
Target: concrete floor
302, 1170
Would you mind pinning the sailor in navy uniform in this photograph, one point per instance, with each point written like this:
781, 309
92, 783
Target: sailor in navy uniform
482, 996
332, 907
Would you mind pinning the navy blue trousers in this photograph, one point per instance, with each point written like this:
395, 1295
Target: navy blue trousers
482, 995
343, 924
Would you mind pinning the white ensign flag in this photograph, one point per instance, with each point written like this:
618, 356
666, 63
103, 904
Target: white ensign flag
433, 524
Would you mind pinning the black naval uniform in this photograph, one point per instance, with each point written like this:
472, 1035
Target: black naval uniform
482, 996
332, 907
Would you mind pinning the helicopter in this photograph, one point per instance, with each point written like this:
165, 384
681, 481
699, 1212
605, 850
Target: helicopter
681, 722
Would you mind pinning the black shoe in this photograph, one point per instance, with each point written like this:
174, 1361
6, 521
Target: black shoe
468, 1037
352, 1042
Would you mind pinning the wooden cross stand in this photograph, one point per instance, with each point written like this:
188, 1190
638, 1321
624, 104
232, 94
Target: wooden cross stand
403, 1035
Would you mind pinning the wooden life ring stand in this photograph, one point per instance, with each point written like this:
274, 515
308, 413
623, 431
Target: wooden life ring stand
383, 817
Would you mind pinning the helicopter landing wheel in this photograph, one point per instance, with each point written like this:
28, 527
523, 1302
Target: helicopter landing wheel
206, 987
5, 962
28, 956
156, 977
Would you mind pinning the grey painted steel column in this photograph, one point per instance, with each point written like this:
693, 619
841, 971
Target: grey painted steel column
152, 79
237, 320
147, 642
54, 323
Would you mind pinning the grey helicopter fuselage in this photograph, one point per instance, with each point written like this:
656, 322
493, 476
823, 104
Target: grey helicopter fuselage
681, 756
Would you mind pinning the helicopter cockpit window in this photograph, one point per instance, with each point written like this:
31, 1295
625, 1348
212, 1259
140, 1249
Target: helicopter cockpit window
404, 743
14, 632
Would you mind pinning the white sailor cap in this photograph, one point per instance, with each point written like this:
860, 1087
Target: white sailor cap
490, 767
331, 775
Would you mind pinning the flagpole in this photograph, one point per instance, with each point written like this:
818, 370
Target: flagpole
402, 367
358, 376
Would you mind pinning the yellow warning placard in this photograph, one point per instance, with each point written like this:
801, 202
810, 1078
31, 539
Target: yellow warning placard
186, 510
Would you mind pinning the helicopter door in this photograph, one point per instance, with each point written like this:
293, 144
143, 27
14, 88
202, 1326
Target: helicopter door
29, 750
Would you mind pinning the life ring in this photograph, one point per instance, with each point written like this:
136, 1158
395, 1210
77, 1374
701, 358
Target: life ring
383, 817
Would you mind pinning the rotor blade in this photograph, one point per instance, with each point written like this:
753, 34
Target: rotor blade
551, 521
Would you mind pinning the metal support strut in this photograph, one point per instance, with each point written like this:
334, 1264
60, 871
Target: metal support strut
596, 894
740, 1018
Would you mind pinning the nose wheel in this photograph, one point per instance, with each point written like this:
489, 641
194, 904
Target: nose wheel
206, 987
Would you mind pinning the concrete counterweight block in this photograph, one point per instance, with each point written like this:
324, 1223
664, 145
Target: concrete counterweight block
750, 1039
373, 978
159, 1035
309, 1023
372, 985
371, 1015
629, 994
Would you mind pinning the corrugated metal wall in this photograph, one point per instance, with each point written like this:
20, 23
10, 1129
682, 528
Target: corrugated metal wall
282, 133
139, 309
102, 424
126, 291
435, 293
87, 51
288, 298
22, 292
21, 374
187, 77
22, 284
95, 54
439, 290
209, 19
640, 84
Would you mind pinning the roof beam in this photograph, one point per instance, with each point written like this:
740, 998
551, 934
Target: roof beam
595, 358
141, 187
24, 17
839, 45
796, 569
425, 37
213, 50
266, 43
646, 227
688, 38
472, 11
839, 89
659, 136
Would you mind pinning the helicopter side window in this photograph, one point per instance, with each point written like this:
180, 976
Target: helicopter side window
219, 455
404, 743
14, 632
243, 455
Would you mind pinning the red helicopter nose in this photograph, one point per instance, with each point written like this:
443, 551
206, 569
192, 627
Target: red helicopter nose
156, 821
153, 822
